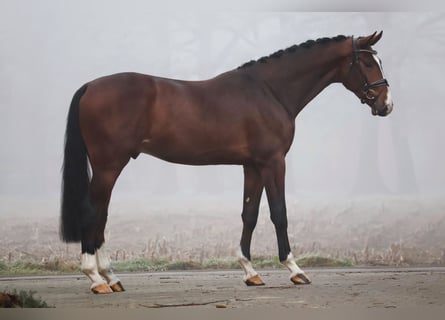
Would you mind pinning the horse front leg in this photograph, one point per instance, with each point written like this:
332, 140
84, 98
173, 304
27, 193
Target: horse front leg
253, 189
274, 177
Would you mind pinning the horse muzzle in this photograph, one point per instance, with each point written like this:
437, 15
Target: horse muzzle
382, 112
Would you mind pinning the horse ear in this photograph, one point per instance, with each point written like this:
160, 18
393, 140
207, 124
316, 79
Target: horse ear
370, 40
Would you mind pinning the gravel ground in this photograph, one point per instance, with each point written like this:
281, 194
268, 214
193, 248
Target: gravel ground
331, 288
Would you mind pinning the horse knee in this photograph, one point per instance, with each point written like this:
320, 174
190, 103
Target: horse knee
280, 223
249, 220
279, 219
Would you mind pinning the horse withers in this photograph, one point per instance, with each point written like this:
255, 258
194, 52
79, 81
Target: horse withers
245, 116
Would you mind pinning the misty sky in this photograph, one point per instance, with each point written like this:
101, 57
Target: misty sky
49, 49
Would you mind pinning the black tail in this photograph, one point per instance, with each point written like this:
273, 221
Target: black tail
76, 210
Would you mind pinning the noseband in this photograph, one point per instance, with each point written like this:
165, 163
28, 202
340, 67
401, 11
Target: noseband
367, 86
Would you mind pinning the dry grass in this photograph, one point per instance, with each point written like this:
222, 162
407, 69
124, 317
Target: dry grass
153, 265
397, 232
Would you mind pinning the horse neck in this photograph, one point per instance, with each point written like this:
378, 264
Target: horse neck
297, 78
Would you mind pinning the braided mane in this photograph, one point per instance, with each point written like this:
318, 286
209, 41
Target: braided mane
304, 45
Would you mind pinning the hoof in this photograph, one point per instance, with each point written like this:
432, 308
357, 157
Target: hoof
117, 287
254, 281
301, 278
101, 289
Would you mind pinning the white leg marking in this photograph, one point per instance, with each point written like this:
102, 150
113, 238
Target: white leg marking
104, 268
292, 265
89, 267
249, 271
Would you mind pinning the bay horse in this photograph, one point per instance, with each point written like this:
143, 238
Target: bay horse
245, 116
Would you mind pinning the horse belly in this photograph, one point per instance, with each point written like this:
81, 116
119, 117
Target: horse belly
202, 151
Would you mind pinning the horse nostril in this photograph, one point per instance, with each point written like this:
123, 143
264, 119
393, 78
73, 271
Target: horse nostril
383, 112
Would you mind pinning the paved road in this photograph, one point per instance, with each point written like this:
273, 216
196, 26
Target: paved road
368, 288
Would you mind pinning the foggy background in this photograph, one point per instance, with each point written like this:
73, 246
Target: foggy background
340, 151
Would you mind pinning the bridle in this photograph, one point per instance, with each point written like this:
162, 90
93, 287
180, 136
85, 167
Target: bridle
367, 86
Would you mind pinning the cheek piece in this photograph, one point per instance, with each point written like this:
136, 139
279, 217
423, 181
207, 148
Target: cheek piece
366, 90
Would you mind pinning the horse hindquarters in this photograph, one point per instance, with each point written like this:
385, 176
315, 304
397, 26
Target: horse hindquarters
85, 203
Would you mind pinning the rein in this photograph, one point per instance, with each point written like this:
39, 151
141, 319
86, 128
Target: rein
367, 86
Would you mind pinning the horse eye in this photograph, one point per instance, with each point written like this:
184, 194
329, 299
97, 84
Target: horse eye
368, 64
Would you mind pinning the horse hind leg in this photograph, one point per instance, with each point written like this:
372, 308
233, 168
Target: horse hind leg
90, 269
95, 262
103, 260
104, 268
